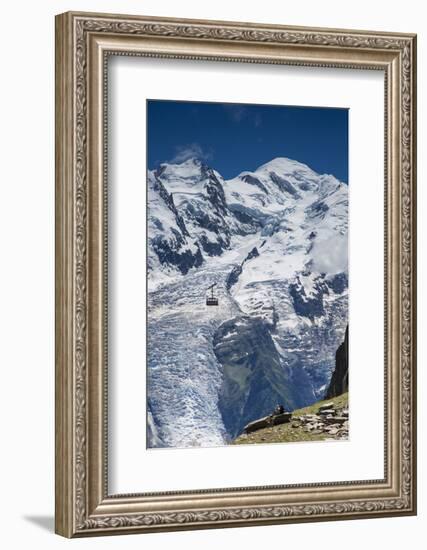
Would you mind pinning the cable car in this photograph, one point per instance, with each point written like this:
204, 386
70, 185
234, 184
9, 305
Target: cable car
211, 299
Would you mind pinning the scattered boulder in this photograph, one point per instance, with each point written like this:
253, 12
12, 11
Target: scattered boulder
326, 412
257, 425
329, 420
282, 418
326, 407
266, 421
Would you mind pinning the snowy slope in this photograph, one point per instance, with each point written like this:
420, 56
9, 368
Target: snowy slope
275, 242
193, 215
170, 246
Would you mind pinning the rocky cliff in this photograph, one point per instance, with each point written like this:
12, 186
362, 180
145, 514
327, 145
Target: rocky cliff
339, 380
254, 378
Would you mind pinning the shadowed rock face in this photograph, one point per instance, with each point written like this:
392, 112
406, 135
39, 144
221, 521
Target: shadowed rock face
308, 306
254, 378
237, 270
176, 254
339, 380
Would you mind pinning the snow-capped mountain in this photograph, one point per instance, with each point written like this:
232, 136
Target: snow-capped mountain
188, 216
275, 243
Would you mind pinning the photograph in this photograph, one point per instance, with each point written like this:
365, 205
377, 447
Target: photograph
247, 274
235, 271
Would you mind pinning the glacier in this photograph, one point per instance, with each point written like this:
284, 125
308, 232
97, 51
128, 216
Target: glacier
275, 242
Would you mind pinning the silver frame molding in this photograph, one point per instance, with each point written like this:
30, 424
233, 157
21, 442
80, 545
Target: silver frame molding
83, 43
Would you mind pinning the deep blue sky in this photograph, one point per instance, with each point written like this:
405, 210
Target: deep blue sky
233, 137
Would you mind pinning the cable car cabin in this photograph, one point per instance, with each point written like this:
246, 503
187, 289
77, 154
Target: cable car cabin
211, 299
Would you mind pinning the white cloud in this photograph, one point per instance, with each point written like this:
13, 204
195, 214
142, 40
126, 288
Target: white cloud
238, 113
193, 150
331, 256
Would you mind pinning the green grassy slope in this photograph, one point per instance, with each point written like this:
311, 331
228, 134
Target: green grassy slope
286, 433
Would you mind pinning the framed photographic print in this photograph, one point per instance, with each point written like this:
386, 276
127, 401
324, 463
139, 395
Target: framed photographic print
235, 274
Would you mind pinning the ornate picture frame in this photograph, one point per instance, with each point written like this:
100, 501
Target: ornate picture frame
84, 42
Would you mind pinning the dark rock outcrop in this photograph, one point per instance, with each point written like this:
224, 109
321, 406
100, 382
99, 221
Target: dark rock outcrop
338, 283
284, 185
317, 210
235, 273
267, 421
176, 254
339, 380
310, 306
255, 181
